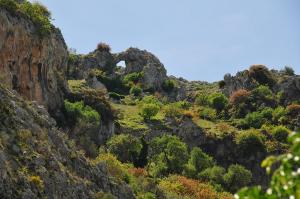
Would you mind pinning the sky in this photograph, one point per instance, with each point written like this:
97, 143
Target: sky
194, 39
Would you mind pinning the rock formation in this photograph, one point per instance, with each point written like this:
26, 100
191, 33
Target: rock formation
30, 64
142, 61
39, 161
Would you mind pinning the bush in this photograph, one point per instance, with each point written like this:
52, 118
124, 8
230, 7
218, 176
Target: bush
293, 110
208, 114
116, 96
262, 75
218, 101
133, 77
198, 162
288, 71
103, 47
76, 111
279, 115
125, 147
149, 110
39, 15
167, 154
168, 85
262, 96
202, 100
172, 111
237, 177
214, 175
9, 5
250, 142
178, 187
239, 96
136, 91
280, 133
254, 120
37, 181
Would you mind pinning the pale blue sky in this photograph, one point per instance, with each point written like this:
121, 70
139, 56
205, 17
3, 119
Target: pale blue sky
194, 39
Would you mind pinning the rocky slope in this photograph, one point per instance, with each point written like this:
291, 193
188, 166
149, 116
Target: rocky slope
39, 161
30, 64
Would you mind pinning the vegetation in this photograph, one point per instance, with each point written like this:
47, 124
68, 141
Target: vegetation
168, 85
136, 91
149, 110
36, 12
125, 147
103, 47
167, 155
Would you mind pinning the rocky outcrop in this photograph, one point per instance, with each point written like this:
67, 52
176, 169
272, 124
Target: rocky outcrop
79, 66
39, 161
241, 80
30, 64
137, 60
290, 88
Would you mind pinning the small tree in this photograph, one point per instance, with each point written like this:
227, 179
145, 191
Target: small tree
250, 142
167, 155
198, 162
125, 147
136, 90
168, 85
237, 177
149, 111
218, 101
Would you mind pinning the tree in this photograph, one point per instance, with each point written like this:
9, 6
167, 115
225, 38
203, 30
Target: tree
125, 147
198, 162
135, 90
213, 175
237, 177
167, 154
218, 101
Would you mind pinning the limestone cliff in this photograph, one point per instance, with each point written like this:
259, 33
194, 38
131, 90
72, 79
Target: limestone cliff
30, 64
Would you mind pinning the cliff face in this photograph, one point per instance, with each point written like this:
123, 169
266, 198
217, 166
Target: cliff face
29, 64
39, 161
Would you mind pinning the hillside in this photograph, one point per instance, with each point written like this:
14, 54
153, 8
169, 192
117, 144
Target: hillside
80, 126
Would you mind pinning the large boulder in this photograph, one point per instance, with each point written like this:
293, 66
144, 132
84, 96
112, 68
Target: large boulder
30, 64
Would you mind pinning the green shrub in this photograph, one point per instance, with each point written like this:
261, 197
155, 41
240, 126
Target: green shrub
202, 100
125, 147
150, 99
218, 101
197, 162
250, 142
254, 120
149, 110
136, 91
39, 15
237, 177
214, 175
168, 85
280, 133
9, 5
208, 113
116, 96
172, 111
267, 113
288, 71
183, 104
167, 154
279, 115
77, 110
133, 77
261, 97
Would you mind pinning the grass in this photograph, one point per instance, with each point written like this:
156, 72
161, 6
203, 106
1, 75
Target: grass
130, 117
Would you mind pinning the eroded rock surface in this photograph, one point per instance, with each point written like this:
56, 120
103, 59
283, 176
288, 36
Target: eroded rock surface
30, 64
